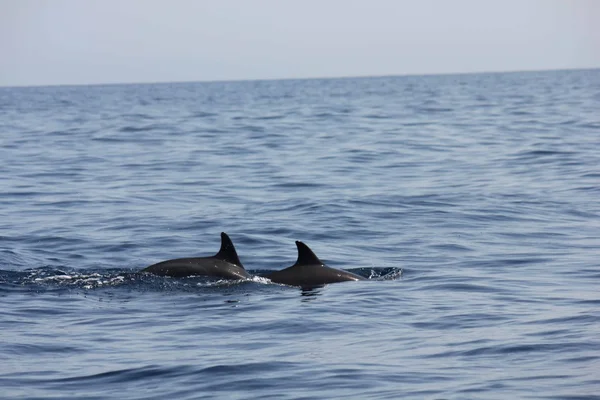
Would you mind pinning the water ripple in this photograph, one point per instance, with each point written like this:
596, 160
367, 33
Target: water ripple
470, 201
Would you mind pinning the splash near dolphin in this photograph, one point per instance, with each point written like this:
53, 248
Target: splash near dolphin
225, 264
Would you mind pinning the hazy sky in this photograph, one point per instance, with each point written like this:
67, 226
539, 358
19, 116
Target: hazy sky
105, 41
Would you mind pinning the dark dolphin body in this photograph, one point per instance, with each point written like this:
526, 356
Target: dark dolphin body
309, 271
225, 264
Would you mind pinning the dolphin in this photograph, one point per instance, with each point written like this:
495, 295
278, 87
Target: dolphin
309, 271
225, 264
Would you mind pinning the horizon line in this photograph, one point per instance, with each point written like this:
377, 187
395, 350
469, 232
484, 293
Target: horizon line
298, 79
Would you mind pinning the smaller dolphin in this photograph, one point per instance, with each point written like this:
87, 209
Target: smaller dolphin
309, 271
225, 264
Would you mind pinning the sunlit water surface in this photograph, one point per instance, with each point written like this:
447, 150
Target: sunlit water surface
471, 201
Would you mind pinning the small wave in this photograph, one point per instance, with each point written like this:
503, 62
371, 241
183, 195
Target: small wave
541, 153
591, 125
323, 115
433, 109
297, 185
39, 349
377, 116
125, 375
253, 128
202, 114
269, 117
451, 247
463, 287
150, 373
591, 175
145, 128
135, 116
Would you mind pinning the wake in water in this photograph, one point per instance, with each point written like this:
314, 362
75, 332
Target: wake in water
49, 278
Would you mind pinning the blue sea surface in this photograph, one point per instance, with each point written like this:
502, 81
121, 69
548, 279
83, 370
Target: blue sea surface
472, 202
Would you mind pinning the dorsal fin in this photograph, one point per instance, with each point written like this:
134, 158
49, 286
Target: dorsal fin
227, 251
306, 255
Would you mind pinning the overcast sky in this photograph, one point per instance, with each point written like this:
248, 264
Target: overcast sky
45, 42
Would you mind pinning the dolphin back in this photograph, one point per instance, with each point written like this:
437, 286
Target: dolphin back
225, 264
309, 270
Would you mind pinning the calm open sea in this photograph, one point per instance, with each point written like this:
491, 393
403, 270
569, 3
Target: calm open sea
478, 194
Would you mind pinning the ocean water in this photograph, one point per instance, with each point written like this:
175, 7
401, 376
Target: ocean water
471, 201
